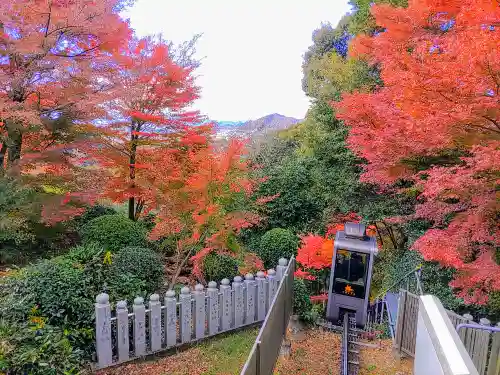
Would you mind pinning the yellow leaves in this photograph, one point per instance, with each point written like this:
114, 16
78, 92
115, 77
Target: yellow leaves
34, 310
53, 190
35, 318
107, 258
38, 321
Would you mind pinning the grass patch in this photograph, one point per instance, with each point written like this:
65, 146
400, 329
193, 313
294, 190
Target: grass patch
228, 354
221, 355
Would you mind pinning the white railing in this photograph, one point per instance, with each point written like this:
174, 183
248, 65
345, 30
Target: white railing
191, 316
438, 348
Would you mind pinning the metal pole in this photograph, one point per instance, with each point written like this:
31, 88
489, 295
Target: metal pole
345, 345
257, 359
382, 313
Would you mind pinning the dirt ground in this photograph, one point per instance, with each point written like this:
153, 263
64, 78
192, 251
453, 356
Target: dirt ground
318, 353
383, 361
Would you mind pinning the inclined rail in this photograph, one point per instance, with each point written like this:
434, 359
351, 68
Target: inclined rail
349, 361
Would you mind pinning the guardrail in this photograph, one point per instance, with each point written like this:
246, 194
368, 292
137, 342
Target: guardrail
265, 351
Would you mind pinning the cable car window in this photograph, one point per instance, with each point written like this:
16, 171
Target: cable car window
350, 273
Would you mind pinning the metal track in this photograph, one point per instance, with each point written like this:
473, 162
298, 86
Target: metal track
350, 348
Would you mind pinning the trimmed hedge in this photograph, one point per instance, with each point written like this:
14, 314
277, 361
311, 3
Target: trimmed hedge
217, 267
114, 232
94, 212
138, 262
275, 244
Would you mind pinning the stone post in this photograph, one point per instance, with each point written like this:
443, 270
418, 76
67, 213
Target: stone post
213, 308
281, 269
122, 327
103, 330
139, 326
155, 322
170, 317
272, 287
185, 315
225, 289
239, 302
261, 295
200, 313
249, 299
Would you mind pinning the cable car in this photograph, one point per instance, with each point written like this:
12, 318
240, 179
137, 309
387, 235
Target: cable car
351, 274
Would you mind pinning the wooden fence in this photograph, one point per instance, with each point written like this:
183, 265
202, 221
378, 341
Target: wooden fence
483, 346
406, 325
265, 351
192, 316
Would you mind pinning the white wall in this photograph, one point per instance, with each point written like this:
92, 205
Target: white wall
426, 359
439, 350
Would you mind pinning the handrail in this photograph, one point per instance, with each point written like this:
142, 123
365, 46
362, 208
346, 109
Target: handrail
416, 269
390, 319
419, 283
477, 326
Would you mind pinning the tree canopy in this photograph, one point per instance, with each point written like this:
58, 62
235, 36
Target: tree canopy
439, 63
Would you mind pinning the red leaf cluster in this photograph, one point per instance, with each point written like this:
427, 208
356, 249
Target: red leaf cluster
440, 65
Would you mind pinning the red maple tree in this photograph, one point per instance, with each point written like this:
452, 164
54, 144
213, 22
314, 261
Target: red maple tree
204, 197
440, 65
50, 53
147, 121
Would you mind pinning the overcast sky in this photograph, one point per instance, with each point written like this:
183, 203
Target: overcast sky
252, 49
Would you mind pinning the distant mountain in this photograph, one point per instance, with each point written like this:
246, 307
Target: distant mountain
251, 128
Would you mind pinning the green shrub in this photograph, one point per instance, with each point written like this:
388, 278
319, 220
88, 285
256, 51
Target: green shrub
312, 315
38, 349
87, 253
62, 288
62, 291
95, 211
217, 267
301, 302
114, 232
148, 221
275, 244
137, 265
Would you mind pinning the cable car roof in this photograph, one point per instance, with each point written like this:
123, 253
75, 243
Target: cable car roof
355, 241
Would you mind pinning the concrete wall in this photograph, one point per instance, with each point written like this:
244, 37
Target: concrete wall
439, 350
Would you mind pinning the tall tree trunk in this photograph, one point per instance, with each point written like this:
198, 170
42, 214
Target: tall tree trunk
131, 208
3, 150
179, 267
133, 154
14, 145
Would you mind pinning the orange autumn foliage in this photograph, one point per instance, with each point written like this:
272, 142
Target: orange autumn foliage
440, 66
316, 252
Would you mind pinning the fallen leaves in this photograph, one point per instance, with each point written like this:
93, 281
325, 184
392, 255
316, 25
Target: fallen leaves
318, 353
